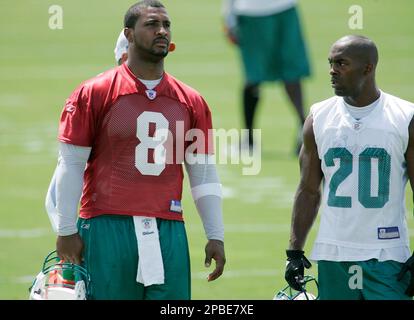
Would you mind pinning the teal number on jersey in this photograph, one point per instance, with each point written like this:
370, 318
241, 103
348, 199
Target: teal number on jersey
344, 170
364, 177
364, 181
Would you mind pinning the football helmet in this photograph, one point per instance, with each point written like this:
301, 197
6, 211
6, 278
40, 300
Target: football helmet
288, 293
60, 280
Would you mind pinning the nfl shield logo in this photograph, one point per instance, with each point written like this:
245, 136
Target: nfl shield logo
151, 94
146, 223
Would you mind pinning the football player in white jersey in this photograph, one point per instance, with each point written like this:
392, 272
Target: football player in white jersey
360, 143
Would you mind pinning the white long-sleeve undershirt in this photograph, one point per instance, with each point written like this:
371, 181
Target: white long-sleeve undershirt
65, 189
207, 194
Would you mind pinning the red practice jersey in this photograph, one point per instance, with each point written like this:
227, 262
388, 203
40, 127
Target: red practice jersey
139, 138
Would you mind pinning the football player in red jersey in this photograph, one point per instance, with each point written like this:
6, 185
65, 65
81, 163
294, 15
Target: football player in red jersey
123, 137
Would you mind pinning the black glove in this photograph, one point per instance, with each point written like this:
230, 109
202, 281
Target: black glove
295, 268
408, 266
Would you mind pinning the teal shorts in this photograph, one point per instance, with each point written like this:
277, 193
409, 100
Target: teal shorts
272, 47
111, 258
365, 280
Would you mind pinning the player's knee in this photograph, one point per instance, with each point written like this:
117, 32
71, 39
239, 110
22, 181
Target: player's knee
251, 89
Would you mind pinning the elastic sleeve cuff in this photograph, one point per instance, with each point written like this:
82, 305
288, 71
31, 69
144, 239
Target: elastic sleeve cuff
67, 231
207, 189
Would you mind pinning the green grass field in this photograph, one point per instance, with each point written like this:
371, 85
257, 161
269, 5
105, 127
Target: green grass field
40, 67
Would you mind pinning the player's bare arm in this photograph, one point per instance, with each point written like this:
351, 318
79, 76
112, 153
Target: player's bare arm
308, 194
408, 266
409, 154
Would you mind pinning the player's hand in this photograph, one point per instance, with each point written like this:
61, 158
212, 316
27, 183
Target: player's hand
231, 34
69, 248
295, 268
408, 266
215, 250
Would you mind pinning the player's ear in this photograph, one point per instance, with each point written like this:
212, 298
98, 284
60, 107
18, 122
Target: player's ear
128, 33
368, 68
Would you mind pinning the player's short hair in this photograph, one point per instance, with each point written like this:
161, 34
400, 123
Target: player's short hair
133, 13
361, 47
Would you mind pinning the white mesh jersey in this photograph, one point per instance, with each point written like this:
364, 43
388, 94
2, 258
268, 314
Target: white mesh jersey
363, 202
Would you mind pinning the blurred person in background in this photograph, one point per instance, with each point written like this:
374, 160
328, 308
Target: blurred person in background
121, 48
272, 47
